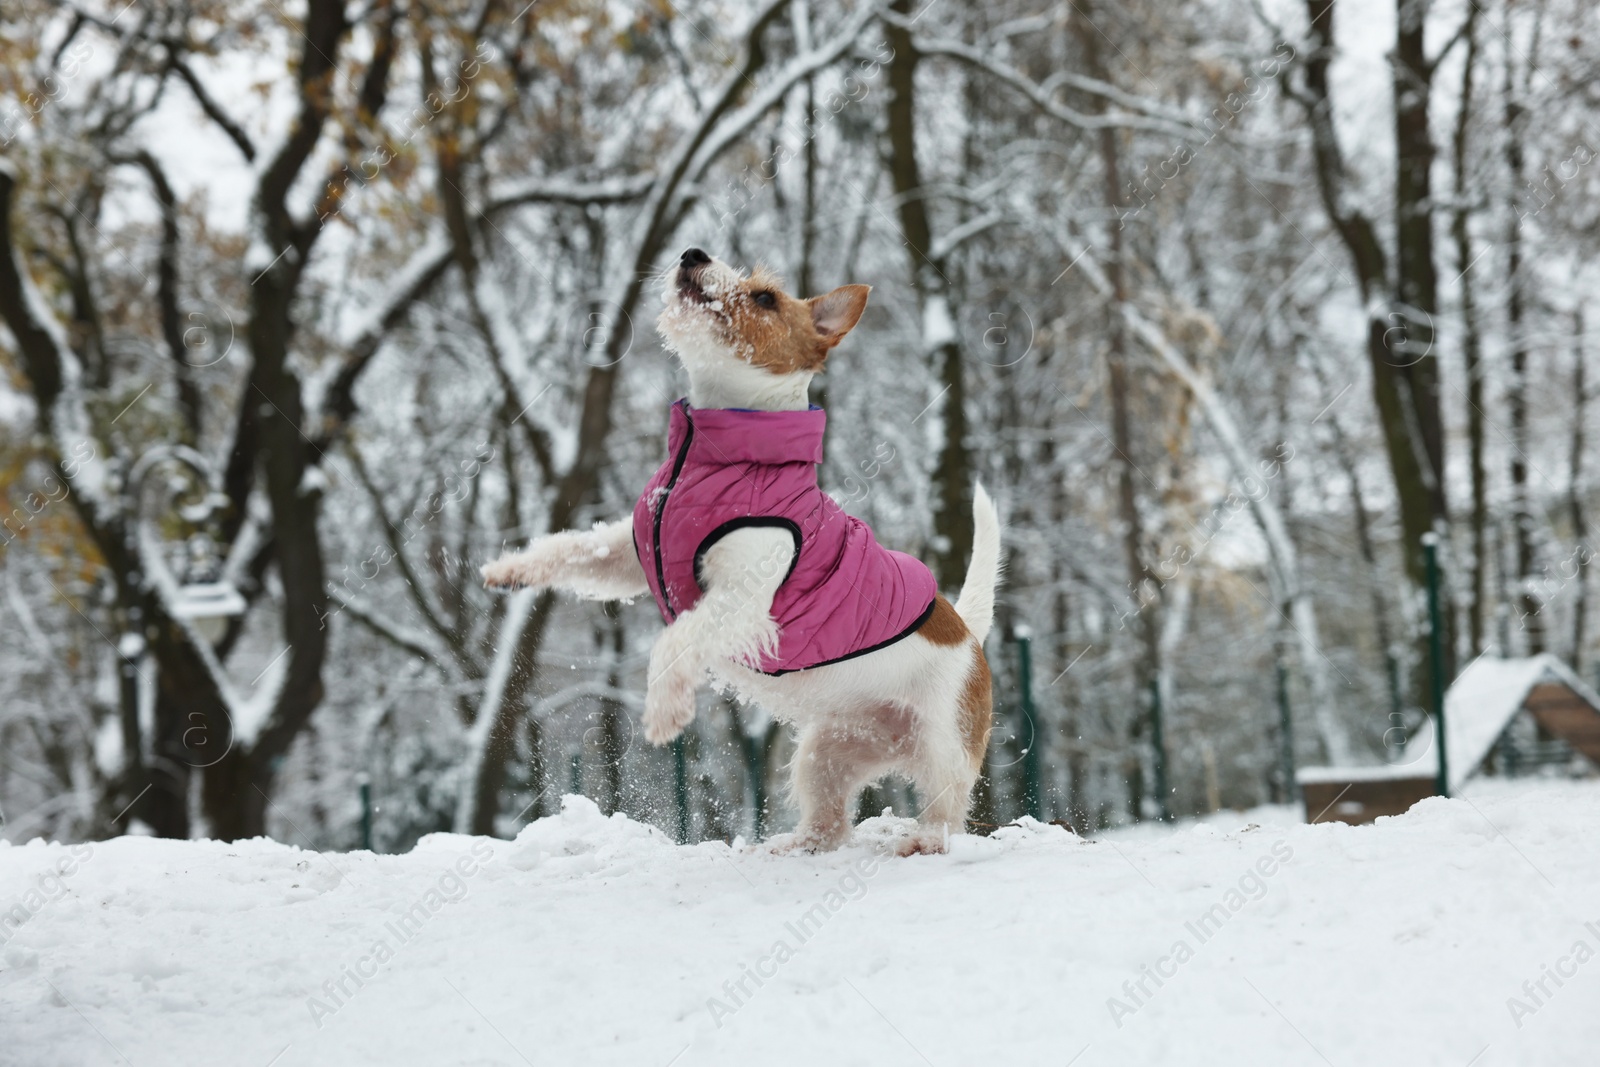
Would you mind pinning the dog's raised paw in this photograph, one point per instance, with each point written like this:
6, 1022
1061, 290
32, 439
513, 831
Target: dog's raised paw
515, 572
661, 732
668, 708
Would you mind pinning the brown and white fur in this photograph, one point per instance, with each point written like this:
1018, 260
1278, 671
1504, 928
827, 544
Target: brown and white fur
921, 706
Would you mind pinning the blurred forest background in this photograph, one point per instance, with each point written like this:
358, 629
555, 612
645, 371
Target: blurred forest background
308, 309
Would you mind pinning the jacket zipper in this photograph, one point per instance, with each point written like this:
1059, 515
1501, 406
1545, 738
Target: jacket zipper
661, 510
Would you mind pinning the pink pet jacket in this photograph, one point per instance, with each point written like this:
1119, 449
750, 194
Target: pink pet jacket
728, 469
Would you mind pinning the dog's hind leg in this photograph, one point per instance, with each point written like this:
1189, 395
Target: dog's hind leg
944, 813
950, 746
831, 764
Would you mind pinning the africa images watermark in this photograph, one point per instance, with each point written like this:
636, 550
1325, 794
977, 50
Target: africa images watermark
856, 489
51, 87
1546, 588
1251, 886
47, 888
1534, 198
449, 888
850, 886
34, 504
1537, 993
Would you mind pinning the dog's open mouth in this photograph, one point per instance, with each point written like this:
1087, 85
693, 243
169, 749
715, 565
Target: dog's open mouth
692, 293
689, 288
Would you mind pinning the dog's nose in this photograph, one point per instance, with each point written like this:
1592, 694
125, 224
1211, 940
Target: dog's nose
694, 257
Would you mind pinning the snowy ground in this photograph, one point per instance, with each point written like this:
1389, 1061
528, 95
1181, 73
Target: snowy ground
594, 941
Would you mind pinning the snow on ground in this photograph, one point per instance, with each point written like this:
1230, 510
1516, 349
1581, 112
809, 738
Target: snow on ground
1238, 939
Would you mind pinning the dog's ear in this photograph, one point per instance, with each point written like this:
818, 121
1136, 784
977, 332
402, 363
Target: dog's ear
835, 314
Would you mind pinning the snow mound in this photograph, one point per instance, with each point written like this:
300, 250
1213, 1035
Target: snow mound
1242, 938
581, 840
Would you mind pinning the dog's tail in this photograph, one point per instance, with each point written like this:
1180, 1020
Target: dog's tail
976, 603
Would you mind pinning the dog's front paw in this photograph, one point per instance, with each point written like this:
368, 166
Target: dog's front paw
501, 574
668, 707
516, 571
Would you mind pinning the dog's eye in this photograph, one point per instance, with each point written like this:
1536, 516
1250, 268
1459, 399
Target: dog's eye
765, 299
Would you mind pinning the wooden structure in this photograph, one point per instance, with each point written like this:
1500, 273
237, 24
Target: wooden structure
1502, 716
1565, 714
1342, 795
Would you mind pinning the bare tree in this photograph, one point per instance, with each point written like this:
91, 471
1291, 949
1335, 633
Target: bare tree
1398, 286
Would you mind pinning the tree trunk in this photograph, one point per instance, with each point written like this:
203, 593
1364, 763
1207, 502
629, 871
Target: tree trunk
1528, 607
1077, 755
1144, 587
613, 728
1400, 331
1416, 284
1580, 524
271, 434
233, 793
160, 796
1471, 350
193, 731
953, 468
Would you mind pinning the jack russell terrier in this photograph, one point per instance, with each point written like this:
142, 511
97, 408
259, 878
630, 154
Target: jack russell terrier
766, 583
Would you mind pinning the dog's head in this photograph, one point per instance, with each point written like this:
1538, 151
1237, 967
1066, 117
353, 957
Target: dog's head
719, 320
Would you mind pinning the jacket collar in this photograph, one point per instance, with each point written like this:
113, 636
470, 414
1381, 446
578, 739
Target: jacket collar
724, 436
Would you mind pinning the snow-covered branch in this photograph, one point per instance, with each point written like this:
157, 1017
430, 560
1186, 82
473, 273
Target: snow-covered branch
1139, 113
568, 191
208, 104
945, 244
736, 125
55, 372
